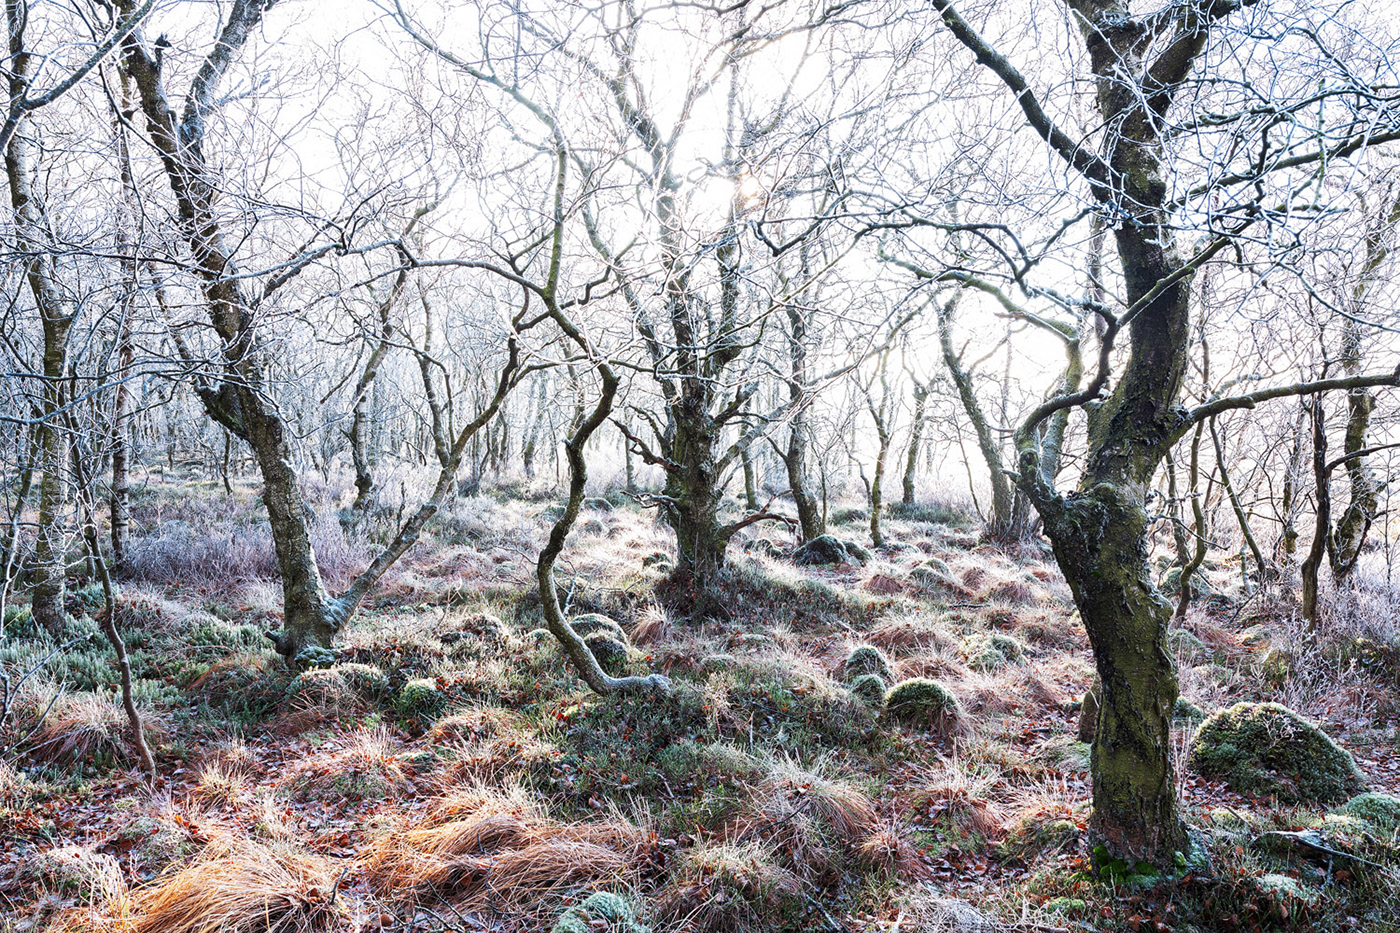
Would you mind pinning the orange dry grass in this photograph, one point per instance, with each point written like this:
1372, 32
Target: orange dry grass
482, 847
481, 722
889, 852
81, 726
245, 888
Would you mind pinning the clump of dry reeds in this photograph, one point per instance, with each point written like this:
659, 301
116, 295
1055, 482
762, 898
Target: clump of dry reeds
487, 846
367, 766
242, 887
80, 727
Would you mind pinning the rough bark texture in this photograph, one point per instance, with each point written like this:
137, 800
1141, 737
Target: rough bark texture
916, 439
1099, 538
56, 314
809, 514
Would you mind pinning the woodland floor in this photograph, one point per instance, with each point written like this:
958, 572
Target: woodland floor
479, 786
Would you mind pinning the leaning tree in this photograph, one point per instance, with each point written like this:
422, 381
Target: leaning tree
1186, 162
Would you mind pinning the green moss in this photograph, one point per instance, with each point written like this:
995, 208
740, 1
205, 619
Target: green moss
995, 651
923, 702
612, 654
867, 659
593, 623
420, 699
714, 762
1186, 711
601, 912
1379, 811
870, 689
1266, 749
1282, 890
367, 681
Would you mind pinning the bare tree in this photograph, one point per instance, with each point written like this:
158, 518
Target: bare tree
1143, 66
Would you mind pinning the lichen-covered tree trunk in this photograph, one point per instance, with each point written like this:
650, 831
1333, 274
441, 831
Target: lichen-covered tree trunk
809, 515
916, 439
691, 504
1099, 539
56, 314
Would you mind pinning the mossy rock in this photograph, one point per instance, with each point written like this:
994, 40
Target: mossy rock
923, 702
1380, 812
597, 504
849, 516
594, 526
930, 577
763, 546
367, 681
660, 560
1182, 641
420, 699
477, 626
1266, 749
995, 651
594, 623
1171, 584
858, 551
870, 689
601, 912
829, 549
613, 655
867, 659
938, 566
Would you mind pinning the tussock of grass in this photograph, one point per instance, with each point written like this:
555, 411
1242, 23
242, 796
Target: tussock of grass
82, 727
243, 887
487, 847
367, 766
718, 888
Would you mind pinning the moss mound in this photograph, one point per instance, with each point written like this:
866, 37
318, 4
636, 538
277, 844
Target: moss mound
420, 699
606, 639
995, 651
1267, 749
829, 549
1381, 812
601, 912
870, 689
924, 702
594, 623
867, 659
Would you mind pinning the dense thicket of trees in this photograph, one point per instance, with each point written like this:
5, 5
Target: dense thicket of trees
754, 259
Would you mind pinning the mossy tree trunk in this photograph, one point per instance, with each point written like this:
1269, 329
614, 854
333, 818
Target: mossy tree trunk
240, 399
916, 439
56, 313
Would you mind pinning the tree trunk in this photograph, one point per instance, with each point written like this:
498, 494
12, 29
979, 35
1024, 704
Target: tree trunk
692, 508
809, 517
1322, 526
56, 315
1099, 541
1007, 520
916, 439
